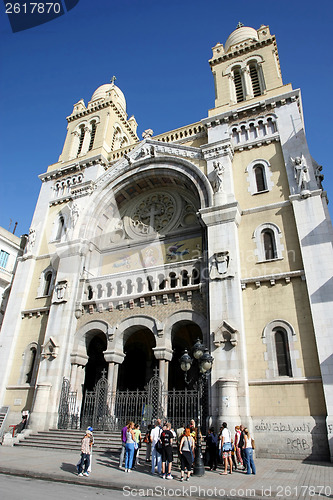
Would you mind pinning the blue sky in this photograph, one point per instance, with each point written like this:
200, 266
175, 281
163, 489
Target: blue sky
159, 53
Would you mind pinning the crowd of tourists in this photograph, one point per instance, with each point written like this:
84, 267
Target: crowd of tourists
234, 452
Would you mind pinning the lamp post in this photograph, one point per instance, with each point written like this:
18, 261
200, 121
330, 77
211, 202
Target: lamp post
205, 361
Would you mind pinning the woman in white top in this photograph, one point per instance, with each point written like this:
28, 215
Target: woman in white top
129, 447
226, 447
248, 451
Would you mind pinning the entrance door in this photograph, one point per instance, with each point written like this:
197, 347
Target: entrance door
138, 366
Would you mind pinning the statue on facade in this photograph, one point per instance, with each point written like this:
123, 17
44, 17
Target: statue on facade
301, 172
31, 239
217, 183
74, 214
319, 176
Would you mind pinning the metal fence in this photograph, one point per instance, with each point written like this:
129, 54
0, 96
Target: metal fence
104, 410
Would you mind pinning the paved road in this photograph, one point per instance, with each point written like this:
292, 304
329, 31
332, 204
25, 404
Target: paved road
18, 488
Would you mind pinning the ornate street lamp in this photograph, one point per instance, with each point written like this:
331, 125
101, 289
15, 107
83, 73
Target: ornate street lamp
205, 361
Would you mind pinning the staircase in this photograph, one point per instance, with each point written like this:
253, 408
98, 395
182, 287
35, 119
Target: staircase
58, 439
3, 417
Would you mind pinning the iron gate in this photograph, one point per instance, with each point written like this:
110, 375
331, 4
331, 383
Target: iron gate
68, 412
104, 410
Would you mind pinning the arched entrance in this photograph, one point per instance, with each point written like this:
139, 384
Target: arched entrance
183, 335
96, 362
138, 366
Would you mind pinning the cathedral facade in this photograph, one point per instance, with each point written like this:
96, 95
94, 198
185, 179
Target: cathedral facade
217, 231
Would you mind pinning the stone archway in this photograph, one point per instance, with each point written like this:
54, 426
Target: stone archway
139, 363
183, 336
96, 361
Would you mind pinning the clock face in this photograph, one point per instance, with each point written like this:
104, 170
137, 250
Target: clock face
153, 213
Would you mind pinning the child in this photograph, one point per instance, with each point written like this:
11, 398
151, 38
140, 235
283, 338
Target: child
85, 454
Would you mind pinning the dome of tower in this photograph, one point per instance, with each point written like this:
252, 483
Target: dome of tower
240, 35
101, 93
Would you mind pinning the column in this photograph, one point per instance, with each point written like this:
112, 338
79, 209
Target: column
228, 402
114, 358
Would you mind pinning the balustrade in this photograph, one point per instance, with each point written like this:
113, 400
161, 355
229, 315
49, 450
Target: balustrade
128, 284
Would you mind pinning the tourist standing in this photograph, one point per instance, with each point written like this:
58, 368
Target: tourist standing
123, 444
212, 448
156, 458
85, 454
167, 455
226, 447
129, 448
148, 443
239, 459
186, 450
137, 446
248, 452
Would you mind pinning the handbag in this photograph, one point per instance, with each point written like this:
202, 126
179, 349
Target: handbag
227, 446
158, 446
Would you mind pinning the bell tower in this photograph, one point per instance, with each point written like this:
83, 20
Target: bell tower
100, 127
246, 69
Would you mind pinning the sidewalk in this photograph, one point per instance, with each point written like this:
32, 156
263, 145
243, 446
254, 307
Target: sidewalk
275, 478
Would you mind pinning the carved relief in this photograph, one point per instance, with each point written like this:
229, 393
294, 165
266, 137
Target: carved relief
220, 265
60, 292
50, 349
225, 333
152, 214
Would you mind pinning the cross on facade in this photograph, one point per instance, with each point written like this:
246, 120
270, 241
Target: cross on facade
155, 371
103, 373
113, 79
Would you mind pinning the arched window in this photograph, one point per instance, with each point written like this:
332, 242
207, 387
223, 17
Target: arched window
269, 244
82, 131
282, 352
92, 136
90, 293
195, 276
61, 227
173, 280
259, 176
259, 173
150, 283
239, 87
47, 283
185, 278
31, 364
254, 75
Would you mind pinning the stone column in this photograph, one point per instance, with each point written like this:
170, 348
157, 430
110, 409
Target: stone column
114, 358
228, 402
78, 363
164, 356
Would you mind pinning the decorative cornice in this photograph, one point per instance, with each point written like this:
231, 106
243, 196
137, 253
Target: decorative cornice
264, 208
249, 110
79, 165
35, 312
272, 278
244, 49
101, 105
